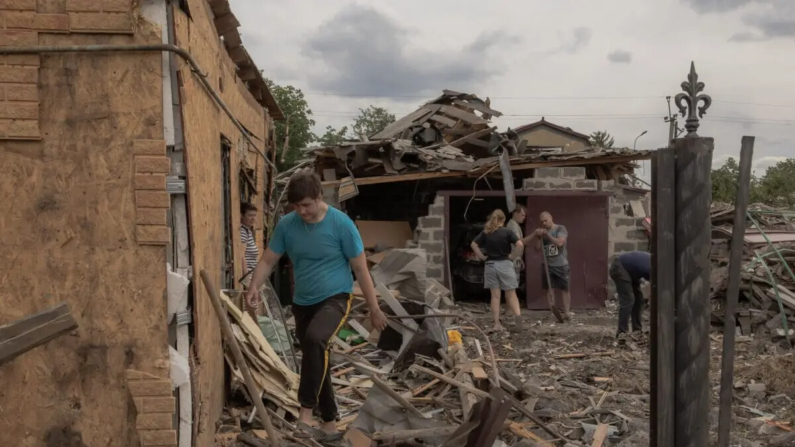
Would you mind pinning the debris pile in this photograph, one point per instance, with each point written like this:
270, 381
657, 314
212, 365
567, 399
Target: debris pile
450, 136
767, 298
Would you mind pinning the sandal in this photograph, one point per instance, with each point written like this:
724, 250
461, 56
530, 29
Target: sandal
305, 431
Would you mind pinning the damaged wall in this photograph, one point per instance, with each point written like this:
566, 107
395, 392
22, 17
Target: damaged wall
204, 125
69, 235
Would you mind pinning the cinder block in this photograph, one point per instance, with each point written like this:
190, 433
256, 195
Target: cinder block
158, 405
83, 5
19, 75
547, 173
19, 19
589, 185
152, 235
30, 60
154, 165
149, 147
160, 438
154, 421
19, 111
626, 222
436, 210
19, 129
19, 5
431, 247
132, 374
430, 222
574, 173
146, 388
116, 5
435, 273
151, 216
607, 185
51, 22
532, 184
560, 184
18, 38
155, 182
152, 199
621, 247
100, 22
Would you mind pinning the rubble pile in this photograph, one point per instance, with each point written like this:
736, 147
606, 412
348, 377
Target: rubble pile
767, 298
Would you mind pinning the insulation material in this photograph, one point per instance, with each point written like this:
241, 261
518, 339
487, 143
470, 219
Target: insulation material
385, 234
403, 270
180, 371
177, 287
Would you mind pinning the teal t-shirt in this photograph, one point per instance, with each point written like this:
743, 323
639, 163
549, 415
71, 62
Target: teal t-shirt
320, 254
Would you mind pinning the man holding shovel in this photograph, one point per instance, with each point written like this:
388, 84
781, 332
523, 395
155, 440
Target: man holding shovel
551, 240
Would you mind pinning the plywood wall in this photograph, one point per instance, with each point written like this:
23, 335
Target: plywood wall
204, 124
67, 234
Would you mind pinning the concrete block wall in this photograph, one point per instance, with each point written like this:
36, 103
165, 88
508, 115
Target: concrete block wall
430, 236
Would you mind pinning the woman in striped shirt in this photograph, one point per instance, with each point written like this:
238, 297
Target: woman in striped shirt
248, 216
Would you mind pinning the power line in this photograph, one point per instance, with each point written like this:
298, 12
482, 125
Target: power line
541, 98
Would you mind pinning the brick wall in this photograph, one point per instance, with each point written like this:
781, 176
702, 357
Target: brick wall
152, 201
430, 230
21, 22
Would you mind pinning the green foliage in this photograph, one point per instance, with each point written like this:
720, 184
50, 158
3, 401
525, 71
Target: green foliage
333, 136
371, 121
778, 185
298, 123
601, 139
776, 188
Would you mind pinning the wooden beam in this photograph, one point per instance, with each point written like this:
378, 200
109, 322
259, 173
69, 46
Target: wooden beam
441, 119
733, 291
226, 23
21, 336
247, 73
232, 39
462, 115
238, 54
476, 106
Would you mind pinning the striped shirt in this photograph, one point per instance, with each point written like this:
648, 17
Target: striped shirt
252, 251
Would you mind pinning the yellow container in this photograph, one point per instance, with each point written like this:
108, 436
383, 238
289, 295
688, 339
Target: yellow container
453, 337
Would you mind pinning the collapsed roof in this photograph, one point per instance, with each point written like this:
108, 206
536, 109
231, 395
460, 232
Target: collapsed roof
452, 136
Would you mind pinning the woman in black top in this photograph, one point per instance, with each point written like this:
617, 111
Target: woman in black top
499, 272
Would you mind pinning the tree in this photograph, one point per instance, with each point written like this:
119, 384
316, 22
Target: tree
724, 181
777, 187
333, 136
371, 121
601, 139
297, 125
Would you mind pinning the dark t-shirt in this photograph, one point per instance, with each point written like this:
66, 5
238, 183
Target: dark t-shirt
637, 264
497, 246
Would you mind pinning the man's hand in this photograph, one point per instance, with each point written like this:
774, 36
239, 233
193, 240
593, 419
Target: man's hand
252, 299
378, 319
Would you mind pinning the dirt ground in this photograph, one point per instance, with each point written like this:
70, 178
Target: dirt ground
623, 372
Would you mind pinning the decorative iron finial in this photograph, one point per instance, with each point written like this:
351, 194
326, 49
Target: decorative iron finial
689, 101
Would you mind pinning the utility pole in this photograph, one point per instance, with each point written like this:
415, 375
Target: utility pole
671, 120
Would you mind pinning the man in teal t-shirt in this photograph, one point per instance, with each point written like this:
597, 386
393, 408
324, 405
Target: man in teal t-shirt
324, 246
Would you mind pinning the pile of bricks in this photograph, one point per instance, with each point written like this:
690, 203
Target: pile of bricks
155, 405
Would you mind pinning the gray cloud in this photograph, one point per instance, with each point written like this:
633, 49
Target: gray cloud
362, 50
777, 20
707, 6
620, 57
579, 39
771, 18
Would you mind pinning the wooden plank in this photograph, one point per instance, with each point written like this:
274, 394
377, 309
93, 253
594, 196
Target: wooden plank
356, 326
238, 54
441, 119
462, 115
662, 302
21, 336
226, 23
733, 291
397, 397
400, 125
599, 435
232, 39
477, 106
248, 73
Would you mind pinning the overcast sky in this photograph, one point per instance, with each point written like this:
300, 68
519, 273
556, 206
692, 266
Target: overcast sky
588, 65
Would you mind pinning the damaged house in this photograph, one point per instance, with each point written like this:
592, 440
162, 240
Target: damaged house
430, 179
130, 131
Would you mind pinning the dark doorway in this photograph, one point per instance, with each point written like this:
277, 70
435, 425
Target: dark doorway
227, 268
586, 217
